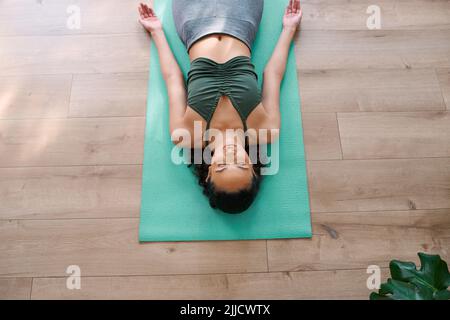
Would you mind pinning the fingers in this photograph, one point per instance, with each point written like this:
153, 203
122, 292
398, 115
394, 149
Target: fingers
149, 10
296, 7
293, 7
289, 7
141, 12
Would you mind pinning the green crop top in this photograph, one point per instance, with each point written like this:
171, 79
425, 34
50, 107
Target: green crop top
208, 80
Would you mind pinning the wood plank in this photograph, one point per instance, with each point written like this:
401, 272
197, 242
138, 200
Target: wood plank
15, 288
49, 17
70, 192
62, 142
74, 54
347, 284
370, 90
108, 247
429, 219
35, 96
321, 136
444, 80
395, 14
367, 185
372, 49
395, 134
109, 95
346, 240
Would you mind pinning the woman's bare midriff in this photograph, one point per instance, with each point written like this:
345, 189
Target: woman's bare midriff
218, 47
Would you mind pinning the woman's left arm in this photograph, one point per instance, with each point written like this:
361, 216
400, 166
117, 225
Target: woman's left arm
276, 67
170, 70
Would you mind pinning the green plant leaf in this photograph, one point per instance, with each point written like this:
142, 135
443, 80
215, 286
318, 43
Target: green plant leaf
408, 283
442, 295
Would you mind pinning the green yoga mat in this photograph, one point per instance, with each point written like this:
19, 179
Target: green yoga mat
173, 206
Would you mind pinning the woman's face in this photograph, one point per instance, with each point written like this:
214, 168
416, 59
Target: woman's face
231, 169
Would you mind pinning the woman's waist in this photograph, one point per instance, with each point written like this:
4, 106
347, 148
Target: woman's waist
218, 47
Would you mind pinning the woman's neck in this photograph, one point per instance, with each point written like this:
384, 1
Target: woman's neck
227, 139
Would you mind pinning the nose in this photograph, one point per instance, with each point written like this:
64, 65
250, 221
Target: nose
230, 154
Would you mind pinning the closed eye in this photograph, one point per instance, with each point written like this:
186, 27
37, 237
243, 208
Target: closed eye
222, 167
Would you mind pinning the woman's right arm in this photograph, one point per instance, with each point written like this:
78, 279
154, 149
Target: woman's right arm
171, 72
276, 66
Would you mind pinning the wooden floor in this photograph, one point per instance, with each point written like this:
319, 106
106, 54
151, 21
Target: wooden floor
376, 115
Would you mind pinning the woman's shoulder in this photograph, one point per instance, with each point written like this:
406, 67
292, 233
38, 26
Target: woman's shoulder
187, 133
261, 128
262, 135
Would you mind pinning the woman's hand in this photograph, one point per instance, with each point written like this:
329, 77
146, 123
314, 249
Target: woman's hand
292, 15
148, 18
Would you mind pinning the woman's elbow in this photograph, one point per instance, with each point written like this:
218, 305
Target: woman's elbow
273, 73
180, 136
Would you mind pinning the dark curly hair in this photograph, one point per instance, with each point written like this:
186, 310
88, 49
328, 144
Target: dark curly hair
229, 202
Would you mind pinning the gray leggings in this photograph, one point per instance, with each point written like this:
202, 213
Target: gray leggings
197, 18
